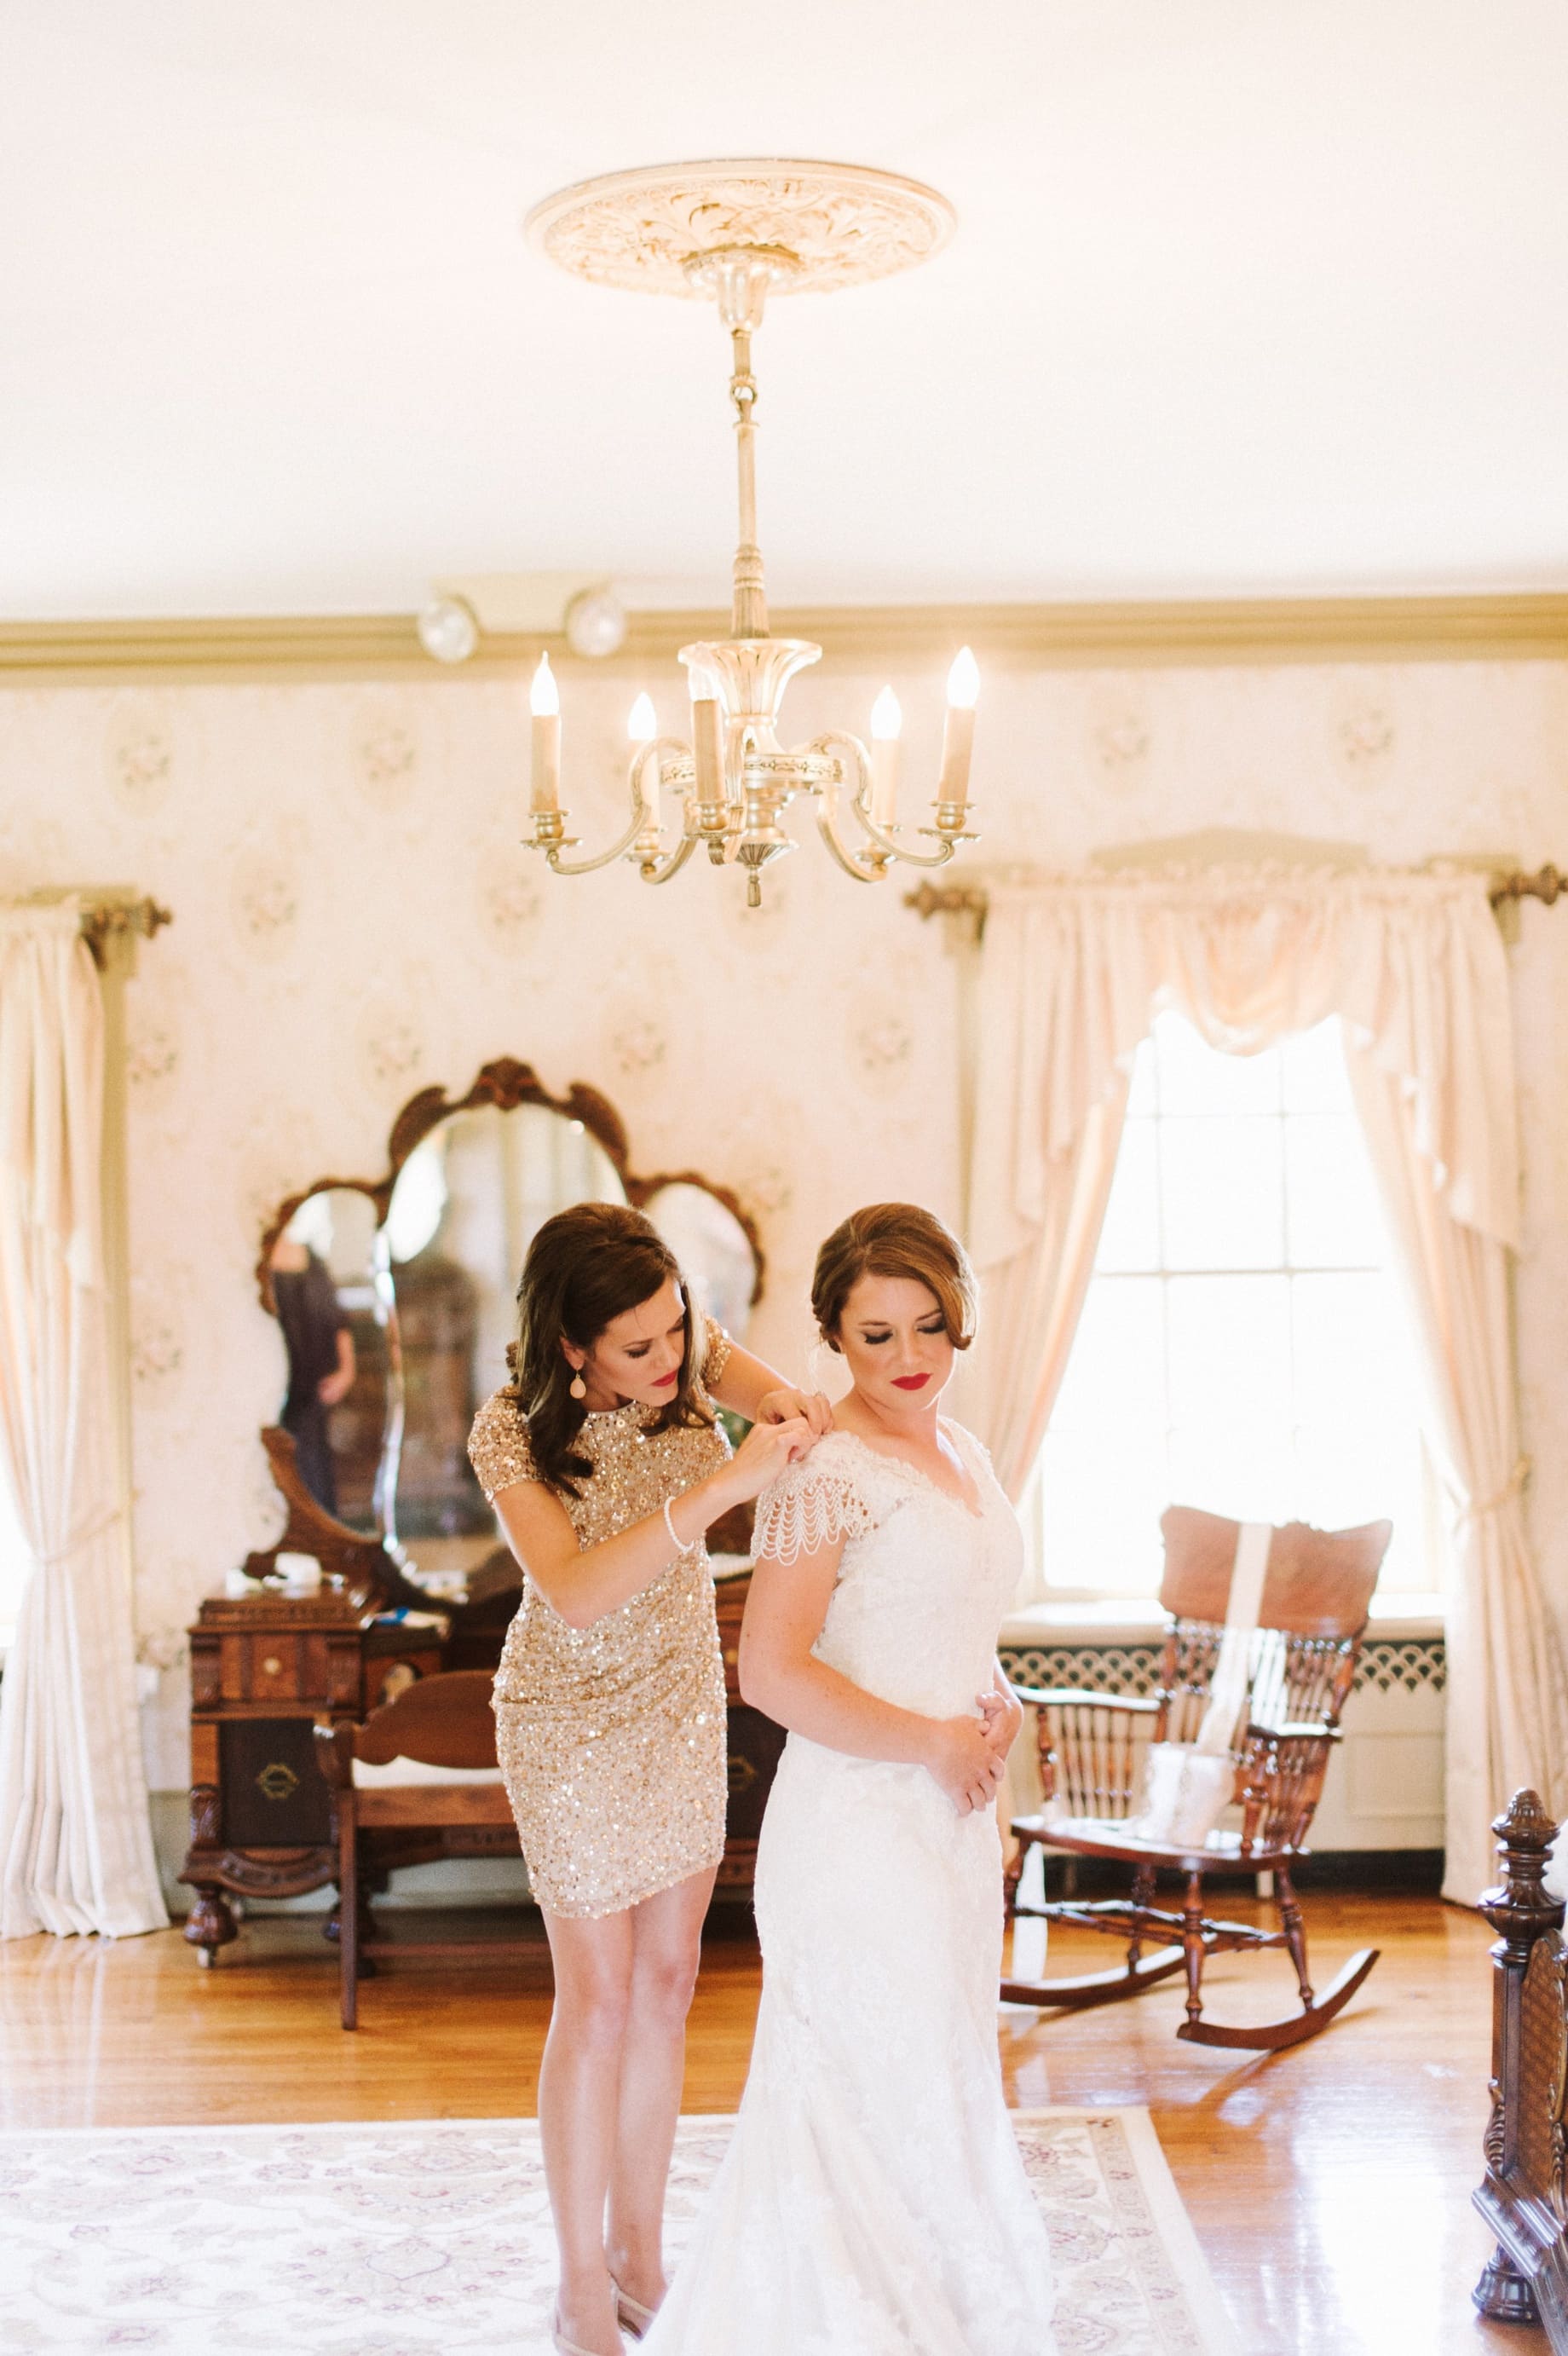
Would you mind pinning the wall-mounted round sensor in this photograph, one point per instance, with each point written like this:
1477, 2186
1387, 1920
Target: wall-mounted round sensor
596, 622
448, 631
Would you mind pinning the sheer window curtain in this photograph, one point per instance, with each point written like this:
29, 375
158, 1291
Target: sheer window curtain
75, 1850
1071, 975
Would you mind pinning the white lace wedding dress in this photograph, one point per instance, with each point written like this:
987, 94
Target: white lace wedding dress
872, 2201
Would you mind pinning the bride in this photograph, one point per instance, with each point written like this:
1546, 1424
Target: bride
872, 2201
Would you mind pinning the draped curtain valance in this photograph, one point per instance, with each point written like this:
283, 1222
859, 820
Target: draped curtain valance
1074, 972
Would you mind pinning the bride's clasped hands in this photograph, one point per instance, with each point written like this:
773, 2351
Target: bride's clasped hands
968, 1754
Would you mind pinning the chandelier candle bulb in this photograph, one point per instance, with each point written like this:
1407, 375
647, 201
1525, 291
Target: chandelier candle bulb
958, 736
641, 729
887, 720
708, 751
544, 780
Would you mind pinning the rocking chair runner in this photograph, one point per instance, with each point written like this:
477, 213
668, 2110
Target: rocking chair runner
1312, 1617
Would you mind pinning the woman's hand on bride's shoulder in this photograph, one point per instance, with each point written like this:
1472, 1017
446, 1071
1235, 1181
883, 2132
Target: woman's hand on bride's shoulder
765, 1452
963, 1759
787, 1404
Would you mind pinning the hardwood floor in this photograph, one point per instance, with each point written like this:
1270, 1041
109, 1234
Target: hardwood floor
1329, 2186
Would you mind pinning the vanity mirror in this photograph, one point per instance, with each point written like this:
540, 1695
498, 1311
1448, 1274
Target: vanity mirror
397, 1297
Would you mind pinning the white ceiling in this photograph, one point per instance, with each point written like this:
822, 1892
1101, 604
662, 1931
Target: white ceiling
1247, 296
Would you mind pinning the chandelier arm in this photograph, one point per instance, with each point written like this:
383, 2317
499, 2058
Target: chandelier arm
652, 872
872, 868
894, 850
883, 847
648, 849
638, 821
559, 866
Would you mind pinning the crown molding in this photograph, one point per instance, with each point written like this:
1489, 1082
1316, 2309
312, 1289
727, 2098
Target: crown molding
1503, 628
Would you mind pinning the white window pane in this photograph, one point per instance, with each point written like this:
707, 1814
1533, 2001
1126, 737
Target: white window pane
1351, 1351
1224, 1470
1141, 1097
1205, 1370
1313, 1068
1222, 1193
1229, 1341
1354, 1472
1115, 1374
1197, 1078
1130, 1238
1333, 1216
1101, 1499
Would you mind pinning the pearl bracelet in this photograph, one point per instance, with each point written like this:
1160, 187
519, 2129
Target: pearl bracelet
675, 1537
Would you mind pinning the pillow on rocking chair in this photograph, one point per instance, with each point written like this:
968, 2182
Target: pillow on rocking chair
1186, 1792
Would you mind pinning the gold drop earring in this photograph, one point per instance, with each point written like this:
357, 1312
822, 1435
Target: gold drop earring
577, 1386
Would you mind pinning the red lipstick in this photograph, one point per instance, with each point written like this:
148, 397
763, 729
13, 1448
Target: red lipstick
911, 1382
667, 1382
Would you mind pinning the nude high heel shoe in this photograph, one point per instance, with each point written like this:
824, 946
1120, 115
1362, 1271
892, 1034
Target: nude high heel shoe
563, 2346
630, 2313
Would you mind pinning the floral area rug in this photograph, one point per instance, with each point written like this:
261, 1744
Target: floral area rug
432, 2238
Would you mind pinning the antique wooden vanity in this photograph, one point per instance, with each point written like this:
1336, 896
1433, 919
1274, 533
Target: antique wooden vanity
420, 1267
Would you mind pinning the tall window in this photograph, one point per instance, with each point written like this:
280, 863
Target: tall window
1243, 1346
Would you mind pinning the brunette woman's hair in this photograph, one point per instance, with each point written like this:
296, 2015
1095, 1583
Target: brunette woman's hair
895, 1239
585, 1268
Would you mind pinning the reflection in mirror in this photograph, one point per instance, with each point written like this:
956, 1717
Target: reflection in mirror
466, 1204
713, 1248
327, 1270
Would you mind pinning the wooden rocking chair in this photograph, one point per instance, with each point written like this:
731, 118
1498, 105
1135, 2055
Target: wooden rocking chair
1312, 1617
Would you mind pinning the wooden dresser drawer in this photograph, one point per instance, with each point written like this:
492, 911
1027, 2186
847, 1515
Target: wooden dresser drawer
272, 1664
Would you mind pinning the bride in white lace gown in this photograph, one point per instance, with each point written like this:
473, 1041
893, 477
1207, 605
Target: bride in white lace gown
872, 2201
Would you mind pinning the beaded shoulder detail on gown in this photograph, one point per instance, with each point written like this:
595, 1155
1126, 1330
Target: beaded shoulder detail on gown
828, 1497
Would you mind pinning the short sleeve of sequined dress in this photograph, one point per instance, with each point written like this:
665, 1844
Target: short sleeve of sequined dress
498, 1444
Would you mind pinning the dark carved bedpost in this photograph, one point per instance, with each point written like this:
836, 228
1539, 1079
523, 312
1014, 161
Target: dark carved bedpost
1520, 2196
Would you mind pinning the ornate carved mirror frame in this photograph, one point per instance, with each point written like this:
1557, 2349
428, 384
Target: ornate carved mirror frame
373, 1566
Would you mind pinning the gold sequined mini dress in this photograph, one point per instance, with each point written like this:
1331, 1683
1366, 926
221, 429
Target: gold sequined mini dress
612, 1739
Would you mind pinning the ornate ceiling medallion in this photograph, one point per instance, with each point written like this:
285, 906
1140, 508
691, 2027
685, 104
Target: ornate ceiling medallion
817, 226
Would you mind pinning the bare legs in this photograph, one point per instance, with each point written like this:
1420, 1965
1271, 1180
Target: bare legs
667, 1933
610, 2095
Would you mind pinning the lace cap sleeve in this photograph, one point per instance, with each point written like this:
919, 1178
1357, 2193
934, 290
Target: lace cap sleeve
813, 1504
498, 1446
716, 1354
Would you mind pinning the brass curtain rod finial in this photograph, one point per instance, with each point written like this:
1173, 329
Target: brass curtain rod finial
1547, 884
948, 900
113, 919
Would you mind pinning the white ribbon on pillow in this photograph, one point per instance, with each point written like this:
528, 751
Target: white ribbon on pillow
1187, 1785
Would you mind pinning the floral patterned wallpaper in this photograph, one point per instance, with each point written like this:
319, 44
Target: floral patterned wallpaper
354, 919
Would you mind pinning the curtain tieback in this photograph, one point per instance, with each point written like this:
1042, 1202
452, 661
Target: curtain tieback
98, 1529
1480, 1507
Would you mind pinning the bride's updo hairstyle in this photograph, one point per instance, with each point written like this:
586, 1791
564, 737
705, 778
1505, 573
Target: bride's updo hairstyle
586, 1267
895, 1239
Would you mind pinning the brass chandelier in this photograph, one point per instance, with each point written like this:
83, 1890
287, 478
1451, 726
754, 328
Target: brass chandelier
732, 232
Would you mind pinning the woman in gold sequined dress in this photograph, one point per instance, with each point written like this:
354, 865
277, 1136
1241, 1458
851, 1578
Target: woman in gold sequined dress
606, 1468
